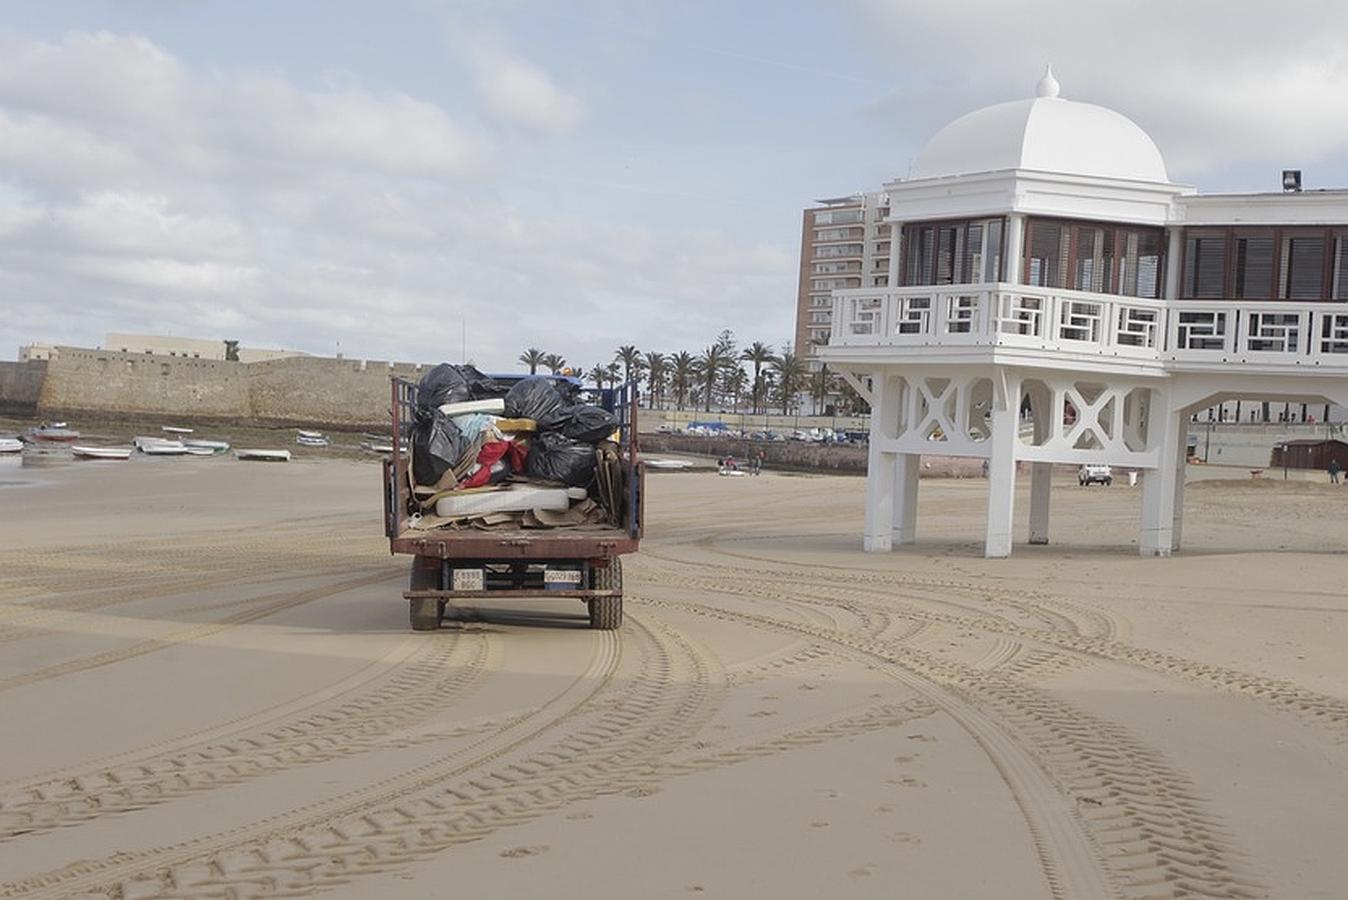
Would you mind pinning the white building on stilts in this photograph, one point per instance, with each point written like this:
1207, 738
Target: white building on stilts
1055, 298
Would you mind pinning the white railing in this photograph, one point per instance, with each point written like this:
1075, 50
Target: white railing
1274, 333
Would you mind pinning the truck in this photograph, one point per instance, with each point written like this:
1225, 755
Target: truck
474, 565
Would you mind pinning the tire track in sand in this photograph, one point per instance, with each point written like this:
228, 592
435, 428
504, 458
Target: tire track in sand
266, 605
436, 677
613, 735
1108, 816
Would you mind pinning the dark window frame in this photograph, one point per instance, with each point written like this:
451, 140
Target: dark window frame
1112, 282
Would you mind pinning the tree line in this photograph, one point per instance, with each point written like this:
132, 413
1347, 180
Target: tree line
724, 374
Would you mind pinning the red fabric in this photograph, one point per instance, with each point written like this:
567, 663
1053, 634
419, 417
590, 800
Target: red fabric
514, 455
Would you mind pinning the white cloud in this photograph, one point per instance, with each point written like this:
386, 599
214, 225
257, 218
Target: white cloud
520, 94
140, 194
1216, 84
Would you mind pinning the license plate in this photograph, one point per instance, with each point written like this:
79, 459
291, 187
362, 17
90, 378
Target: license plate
468, 580
561, 576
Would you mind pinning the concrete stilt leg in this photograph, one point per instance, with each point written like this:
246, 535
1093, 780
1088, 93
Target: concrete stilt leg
1041, 479
1002, 469
907, 467
880, 467
1178, 518
1159, 489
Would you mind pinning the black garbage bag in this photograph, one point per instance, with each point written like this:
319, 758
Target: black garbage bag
448, 383
569, 391
437, 446
590, 424
555, 457
535, 398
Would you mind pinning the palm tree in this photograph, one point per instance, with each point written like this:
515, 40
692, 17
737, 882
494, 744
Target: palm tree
733, 383
760, 354
656, 367
681, 367
710, 366
791, 372
532, 358
630, 357
554, 363
822, 383
598, 374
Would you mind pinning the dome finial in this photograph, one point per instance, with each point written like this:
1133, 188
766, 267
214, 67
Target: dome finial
1048, 85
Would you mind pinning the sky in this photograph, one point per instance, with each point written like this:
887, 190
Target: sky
424, 180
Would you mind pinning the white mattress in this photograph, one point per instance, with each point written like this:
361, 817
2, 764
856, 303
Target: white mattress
517, 499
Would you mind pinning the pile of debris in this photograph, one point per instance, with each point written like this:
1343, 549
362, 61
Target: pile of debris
531, 455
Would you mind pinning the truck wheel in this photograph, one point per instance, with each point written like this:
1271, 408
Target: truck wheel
425, 613
606, 613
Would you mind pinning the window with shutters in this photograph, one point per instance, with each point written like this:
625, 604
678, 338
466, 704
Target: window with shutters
1252, 267
1099, 257
1265, 263
1205, 266
1302, 273
958, 252
1339, 273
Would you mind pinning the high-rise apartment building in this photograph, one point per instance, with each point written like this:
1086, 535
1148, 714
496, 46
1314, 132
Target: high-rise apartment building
844, 243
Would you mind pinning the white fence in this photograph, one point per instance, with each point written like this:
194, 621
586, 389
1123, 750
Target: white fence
1271, 332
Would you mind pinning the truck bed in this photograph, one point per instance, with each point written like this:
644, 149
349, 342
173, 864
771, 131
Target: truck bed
558, 543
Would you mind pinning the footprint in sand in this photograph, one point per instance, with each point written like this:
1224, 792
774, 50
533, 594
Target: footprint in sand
924, 738
644, 790
580, 816
819, 824
521, 852
861, 872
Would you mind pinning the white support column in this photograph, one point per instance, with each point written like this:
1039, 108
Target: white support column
906, 472
895, 246
1172, 264
881, 465
1159, 489
1181, 466
1015, 245
1002, 464
1041, 479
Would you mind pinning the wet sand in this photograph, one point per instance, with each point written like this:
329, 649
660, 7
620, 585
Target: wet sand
208, 688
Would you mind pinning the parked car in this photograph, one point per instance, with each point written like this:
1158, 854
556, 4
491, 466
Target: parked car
1095, 474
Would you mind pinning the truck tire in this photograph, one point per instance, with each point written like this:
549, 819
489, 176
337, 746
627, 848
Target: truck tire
425, 614
606, 613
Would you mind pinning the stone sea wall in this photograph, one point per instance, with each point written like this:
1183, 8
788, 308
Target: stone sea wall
297, 390
21, 386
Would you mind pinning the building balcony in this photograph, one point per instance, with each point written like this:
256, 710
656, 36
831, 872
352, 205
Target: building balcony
1053, 328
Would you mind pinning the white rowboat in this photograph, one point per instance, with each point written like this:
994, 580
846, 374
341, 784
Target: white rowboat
263, 455
169, 429
213, 446
101, 452
11, 445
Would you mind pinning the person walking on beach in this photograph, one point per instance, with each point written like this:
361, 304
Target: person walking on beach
1334, 470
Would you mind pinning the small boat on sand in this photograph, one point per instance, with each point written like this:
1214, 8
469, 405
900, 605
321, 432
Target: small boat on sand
82, 452
170, 429
196, 444
312, 439
157, 446
51, 434
263, 455
11, 445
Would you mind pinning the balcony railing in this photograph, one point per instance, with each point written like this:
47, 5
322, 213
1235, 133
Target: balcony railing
1181, 331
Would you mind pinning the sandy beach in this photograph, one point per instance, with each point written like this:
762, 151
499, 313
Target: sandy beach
208, 688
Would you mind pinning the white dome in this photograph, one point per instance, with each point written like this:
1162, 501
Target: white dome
1046, 134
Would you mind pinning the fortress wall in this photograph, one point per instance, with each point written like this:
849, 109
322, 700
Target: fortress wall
317, 390
21, 386
82, 380
303, 390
